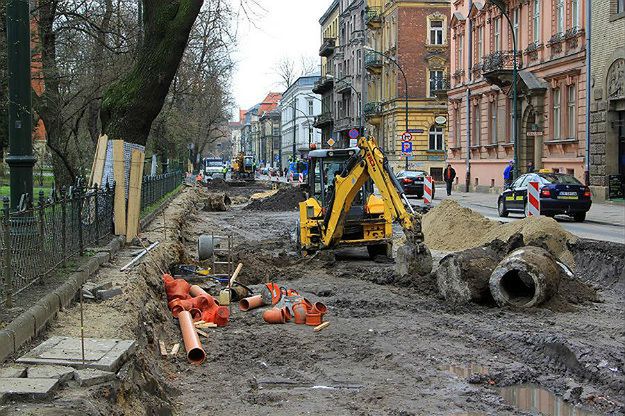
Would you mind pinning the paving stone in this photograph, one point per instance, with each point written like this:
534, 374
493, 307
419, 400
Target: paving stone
27, 388
110, 293
101, 354
59, 372
13, 371
90, 377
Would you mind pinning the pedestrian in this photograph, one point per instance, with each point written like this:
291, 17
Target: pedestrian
530, 167
449, 175
508, 174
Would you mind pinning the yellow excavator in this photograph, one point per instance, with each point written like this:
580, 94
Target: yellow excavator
343, 209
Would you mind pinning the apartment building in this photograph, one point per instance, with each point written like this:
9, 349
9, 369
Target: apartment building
298, 108
325, 85
551, 83
607, 99
407, 62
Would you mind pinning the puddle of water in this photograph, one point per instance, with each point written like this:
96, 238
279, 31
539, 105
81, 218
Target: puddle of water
465, 371
530, 397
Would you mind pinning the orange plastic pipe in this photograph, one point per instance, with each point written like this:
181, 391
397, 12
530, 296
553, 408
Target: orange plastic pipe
195, 290
192, 344
250, 303
319, 307
274, 316
299, 312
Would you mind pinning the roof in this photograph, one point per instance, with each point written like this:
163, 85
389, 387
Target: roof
302, 81
329, 11
270, 102
242, 114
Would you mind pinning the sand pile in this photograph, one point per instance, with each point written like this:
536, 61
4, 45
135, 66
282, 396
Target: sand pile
263, 195
451, 227
285, 199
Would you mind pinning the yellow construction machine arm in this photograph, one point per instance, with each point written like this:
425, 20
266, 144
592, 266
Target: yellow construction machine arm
369, 163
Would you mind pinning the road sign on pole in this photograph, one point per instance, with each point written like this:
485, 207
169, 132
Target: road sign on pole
353, 134
406, 137
406, 148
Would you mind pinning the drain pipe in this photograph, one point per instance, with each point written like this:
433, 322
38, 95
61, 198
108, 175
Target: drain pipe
192, 344
588, 89
469, 73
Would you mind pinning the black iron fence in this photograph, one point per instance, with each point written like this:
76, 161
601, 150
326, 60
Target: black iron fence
42, 236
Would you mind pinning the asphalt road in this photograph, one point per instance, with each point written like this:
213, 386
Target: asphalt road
588, 229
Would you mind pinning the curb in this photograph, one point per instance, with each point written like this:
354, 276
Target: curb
31, 322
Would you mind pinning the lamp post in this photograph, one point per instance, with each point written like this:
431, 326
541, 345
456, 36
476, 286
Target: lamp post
501, 5
20, 159
309, 127
368, 49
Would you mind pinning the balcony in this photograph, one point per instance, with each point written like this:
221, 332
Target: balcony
324, 84
373, 112
373, 17
342, 86
373, 63
327, 47
497, 67
344, 123
323, 120
443, 85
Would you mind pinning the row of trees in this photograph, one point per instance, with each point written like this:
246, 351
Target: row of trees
151, 72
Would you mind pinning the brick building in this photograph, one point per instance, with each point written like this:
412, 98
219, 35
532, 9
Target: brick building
413, 34
552, 89
607, 106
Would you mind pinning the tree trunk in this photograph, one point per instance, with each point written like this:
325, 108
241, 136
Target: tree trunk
130, 105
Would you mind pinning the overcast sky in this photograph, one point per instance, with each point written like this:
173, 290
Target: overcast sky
285, 28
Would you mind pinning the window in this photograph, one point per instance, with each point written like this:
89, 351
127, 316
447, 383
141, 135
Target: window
557, 116
436, 138
436, 82
570, 112
480, 43
457, 126
311, 109
436, 32
516, 15
497, 34
574, 14
559, 16
477, 125
460, 49
537, 20
620, 6
493, 122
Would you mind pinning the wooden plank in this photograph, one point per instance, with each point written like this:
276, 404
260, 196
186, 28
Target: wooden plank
119, 174
163, 349
202, 333
134, 194
322, 326
175, 349
98, 162
207, 325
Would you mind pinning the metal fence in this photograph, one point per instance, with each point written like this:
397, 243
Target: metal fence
40, 239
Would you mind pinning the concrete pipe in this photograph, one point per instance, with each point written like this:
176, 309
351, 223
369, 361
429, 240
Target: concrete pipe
192, 344
206, 245
413, 260
463, 277
527, 277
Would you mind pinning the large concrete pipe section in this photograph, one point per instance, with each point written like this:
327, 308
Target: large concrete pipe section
525, 278
192, 344
463, 277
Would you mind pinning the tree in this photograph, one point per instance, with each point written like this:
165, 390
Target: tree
288, 71
131, 104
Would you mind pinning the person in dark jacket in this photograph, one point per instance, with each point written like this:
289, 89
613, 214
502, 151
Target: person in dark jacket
449, 175
530, 167
508, 174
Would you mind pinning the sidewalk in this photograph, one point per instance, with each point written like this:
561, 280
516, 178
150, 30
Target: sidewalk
602, 213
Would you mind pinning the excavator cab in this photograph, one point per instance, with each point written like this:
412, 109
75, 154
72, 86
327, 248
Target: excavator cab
363, 223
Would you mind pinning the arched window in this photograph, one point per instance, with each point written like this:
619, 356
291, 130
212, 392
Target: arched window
436, 138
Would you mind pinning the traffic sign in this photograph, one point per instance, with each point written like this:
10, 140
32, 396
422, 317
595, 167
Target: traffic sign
406, 148
354, 133
406, 137
331, 142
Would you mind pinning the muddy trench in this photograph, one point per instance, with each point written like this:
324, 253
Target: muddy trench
394, 345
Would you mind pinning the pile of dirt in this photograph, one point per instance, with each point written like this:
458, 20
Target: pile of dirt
217, 184
216, 201
451, 227
286, 199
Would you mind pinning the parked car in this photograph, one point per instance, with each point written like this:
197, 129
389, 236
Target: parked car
559, 194
412, 182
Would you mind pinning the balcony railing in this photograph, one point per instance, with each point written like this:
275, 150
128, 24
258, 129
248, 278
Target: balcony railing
373, 61
373, 17
372, 108
324, 84
327, 47
323, 119
342, 86
501, 61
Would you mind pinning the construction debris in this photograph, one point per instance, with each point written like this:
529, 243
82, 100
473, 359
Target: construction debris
139, 256
322, 326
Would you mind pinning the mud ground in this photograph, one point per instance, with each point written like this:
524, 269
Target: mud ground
389, 348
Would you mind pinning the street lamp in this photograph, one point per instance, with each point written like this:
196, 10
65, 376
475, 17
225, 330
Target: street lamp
369, 49
501, 5
309, 127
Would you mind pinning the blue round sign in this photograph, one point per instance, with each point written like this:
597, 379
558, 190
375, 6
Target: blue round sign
354, 133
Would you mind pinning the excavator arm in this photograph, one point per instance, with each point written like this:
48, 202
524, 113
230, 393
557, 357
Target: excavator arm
369, 163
